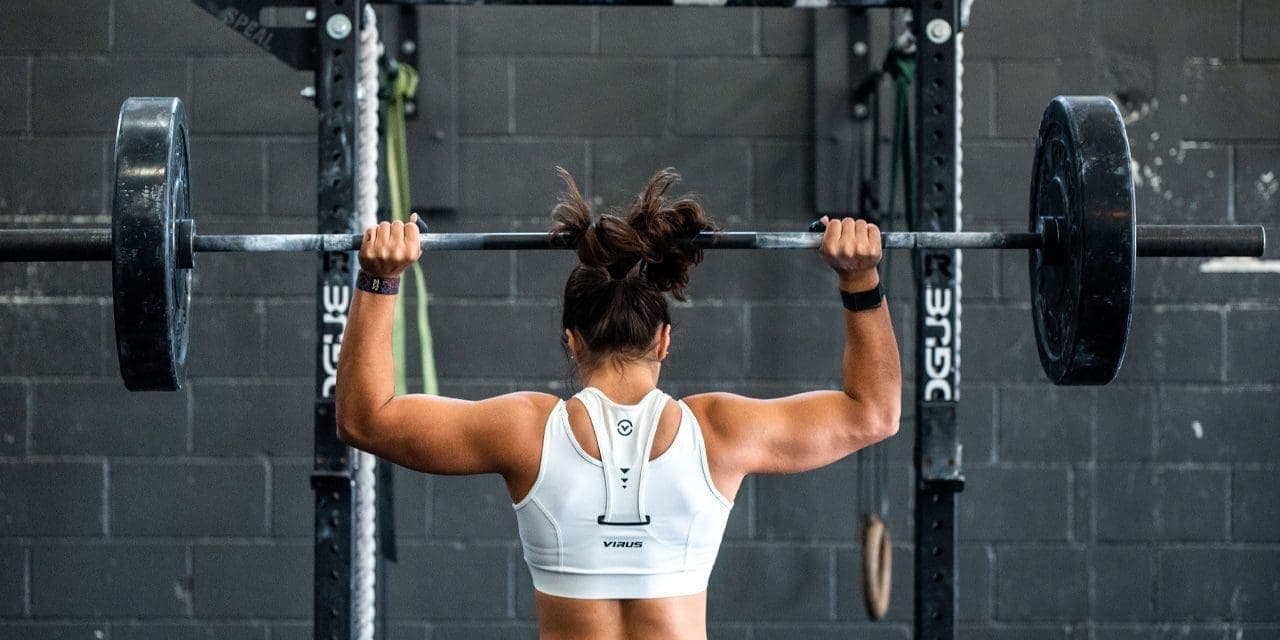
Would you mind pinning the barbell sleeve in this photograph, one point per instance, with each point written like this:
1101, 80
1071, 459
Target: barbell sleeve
1207, 241
63, 245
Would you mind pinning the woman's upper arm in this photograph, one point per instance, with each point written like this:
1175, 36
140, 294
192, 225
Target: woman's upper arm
791, 434
435, 434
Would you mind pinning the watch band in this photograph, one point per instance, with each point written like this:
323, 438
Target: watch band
862, 300
366, 281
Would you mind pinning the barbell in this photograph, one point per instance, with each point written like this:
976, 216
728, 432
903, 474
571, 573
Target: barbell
1083, 241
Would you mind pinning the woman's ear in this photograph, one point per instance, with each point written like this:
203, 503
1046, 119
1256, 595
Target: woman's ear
664, 342
571, 344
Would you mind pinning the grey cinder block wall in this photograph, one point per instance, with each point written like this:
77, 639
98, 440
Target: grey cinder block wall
1147, 509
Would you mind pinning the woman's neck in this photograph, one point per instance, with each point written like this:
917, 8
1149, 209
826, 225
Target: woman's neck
625, 383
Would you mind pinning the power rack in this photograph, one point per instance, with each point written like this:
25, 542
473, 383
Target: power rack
328, 44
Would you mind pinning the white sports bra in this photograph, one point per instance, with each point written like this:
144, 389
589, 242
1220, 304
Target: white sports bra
623, 526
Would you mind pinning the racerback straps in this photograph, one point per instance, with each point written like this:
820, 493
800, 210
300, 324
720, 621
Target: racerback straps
624, 434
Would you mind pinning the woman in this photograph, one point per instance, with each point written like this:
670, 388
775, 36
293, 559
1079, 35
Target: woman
621, 493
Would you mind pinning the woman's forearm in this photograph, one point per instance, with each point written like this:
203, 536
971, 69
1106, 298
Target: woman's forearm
366, 367
872, 370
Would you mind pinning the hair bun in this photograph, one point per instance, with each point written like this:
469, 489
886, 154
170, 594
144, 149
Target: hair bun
609, 243
663, 225
644, 242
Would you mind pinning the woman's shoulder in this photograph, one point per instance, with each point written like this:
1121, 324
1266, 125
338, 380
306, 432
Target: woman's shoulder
533, 405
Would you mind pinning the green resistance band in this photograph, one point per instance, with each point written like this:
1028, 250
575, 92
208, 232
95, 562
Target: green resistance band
403, 86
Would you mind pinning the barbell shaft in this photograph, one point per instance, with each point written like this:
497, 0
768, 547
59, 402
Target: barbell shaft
541, 241
27, 245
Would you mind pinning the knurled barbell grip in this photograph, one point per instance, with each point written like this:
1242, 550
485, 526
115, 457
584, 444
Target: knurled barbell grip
1152, 241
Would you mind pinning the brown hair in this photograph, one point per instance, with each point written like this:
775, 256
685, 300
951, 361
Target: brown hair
615, 299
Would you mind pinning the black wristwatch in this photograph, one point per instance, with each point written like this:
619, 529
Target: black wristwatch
862, 300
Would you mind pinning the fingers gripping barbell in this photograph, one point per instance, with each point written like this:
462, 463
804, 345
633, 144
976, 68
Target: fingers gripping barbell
1083, 242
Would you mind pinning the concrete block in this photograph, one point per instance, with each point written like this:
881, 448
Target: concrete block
53, 630
490, 631
717, 174
707, 342
471, 508
977, 595
157, 27
785, 32
1201, 583
97, 86
1026, 595
32, 327
484, 96
83, 27
79, 168
282, 587
177, 631
226, 338
13, 581
1016, 504
719, 97
798, 579
1046, 425
795, 342
218, 104
1257, 182
1258, 42
94, 581
1209, 111
629, 97
980, 101
15, 112
1178, 345
197, 499
527, 187
51, 499
989, 170
291, 179
90, 418
1043, 30
878, 631
14, 418
658, 31
998, 345
1248, 336
253, 419
1211, 425
1255, 516
227, 179
449, 582
783, 191
526, 333
1126, 424
524, 30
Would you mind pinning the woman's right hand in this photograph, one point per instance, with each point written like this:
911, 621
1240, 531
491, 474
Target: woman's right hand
390, 247
853, 249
